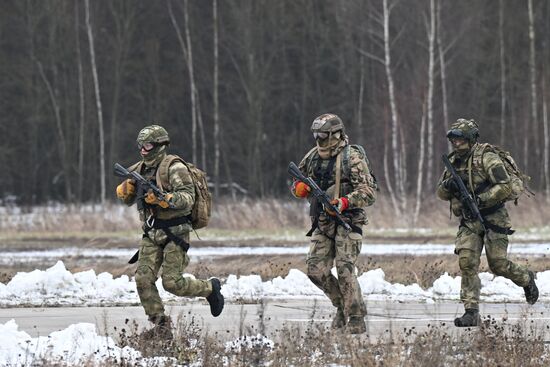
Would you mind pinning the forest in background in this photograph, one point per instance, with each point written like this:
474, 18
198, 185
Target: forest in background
237, 84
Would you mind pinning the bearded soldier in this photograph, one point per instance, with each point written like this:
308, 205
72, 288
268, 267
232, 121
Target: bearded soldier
342, 170
166, 227
487, 179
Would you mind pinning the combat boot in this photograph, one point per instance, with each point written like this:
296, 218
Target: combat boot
531, 291
356, 325
162, 328
215, 299
339, 320
470, 318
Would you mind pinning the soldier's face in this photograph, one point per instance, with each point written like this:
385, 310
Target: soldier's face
327, 140
459, 143
145, 148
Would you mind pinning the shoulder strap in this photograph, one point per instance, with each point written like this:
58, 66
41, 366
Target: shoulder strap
136, 167
162, 178
309, 157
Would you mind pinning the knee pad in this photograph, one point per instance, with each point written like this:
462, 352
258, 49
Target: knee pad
345, 269
468, 261
498, 266
169, 283
145, 277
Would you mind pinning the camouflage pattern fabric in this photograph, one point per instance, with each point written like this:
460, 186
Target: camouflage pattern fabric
156, 256
487, 170
332, 245
342, 251
170, 261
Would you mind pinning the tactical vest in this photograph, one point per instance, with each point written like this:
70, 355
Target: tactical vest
323, 171
161, 180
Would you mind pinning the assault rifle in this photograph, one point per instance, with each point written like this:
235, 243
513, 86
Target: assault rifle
143, 184
295, 172
464, 196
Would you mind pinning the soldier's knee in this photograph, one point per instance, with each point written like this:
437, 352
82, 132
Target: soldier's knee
345, 269
145, 277
170, 284
468, 261
499, 266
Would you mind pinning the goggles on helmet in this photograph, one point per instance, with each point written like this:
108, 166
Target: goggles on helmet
456, 134
148, 146
320, 135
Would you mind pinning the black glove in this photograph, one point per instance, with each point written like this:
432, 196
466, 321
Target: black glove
450, 185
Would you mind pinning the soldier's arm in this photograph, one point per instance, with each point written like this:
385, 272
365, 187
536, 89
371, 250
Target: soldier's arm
442, 192
498, 177
364, 187
183, 190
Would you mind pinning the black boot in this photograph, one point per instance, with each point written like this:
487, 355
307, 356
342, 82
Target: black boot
161, 330
531, 291
215, 298
470, 318
339, 320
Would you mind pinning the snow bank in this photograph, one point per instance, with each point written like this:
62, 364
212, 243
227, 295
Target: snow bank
58, 286
76, 345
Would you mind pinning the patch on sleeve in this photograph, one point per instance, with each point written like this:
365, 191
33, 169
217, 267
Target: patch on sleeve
499, 174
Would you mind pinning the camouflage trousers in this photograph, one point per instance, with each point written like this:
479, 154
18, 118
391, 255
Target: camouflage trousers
342, 251
469, 244
170, 261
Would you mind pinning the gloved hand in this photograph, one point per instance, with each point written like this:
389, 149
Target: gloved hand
300, 189
340, 204
151, 199
450, 185
126, 190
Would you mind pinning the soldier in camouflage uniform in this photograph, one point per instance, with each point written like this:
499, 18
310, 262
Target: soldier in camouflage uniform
487, 179
166, 226
331, 244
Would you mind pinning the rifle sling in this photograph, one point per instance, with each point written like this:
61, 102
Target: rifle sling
493, 227
165, 225
315, 225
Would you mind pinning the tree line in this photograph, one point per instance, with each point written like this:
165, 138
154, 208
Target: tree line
237, 84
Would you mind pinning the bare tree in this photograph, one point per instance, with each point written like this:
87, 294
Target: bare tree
546, 154
187, 52
216, 100
502, 72
398, 166
431, 66
98, 103
533, 84
81, 105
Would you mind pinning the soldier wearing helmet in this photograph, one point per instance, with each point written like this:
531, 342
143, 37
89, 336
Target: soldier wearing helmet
485, 176
343, 171
166, 226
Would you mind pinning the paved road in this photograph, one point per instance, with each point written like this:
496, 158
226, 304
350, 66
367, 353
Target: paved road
385, 319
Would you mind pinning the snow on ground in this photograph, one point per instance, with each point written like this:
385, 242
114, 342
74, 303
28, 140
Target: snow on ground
79, 344
58, 286
200, 252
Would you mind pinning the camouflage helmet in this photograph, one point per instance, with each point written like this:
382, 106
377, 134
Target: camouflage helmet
153, 134
326, 124
465, 129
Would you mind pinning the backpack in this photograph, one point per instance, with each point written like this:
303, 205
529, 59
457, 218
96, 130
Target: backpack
202, 207
518, 179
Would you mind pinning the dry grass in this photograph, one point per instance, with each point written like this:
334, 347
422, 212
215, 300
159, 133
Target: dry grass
245, 214
494, 343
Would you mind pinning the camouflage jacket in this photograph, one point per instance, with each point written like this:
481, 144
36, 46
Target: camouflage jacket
357, 183
489, 180
180, 185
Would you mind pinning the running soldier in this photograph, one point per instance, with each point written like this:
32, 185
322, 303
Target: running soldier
342, 171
